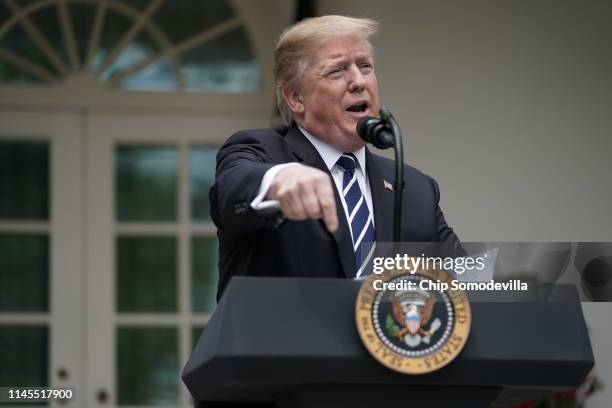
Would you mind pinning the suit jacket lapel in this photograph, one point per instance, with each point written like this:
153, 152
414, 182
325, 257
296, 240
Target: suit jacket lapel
382, 200
306, 153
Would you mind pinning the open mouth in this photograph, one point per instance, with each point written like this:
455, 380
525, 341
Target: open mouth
358, 107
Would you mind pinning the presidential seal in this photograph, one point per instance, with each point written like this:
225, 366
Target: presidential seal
410, 322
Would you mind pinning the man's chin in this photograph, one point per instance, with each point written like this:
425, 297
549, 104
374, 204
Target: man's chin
352, 142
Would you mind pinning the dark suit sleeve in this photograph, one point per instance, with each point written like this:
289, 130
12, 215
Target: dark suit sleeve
241, 164
445, 233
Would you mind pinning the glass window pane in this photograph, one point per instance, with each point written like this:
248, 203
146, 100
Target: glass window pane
137, 50
158, 76
225, 64
47, 22
146, 183
114, 28
24, 3
24, 273
147, 366
195, 16
5, 13
138, 4
202, 162
82, 17
146, 274
24, 356
12, 73
196, 332
18, 41
204, 274
24, 180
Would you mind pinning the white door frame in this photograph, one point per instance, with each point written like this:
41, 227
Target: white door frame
104, 132
63, 132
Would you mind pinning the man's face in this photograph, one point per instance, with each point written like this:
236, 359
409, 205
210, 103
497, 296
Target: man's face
338, 88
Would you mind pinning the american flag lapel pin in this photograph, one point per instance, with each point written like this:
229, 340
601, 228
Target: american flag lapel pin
388, 185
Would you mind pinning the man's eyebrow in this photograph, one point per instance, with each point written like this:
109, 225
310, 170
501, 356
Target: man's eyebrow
331, 61
339, 58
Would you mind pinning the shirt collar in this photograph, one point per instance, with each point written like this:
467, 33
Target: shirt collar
330, 154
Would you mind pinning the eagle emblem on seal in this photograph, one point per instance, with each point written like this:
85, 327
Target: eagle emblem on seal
412, 311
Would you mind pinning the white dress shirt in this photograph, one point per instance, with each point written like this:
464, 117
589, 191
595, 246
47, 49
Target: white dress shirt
330, 156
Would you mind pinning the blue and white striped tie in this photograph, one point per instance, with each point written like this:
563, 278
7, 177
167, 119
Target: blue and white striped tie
360, 219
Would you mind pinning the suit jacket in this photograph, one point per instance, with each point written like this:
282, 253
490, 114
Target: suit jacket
250, 244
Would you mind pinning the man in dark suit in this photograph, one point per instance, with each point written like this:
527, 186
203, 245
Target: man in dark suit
335, 195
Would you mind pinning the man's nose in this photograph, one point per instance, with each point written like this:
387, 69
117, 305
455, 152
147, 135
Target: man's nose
357, 80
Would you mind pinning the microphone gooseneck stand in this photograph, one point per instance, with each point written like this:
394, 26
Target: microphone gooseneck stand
384, 133
398, 148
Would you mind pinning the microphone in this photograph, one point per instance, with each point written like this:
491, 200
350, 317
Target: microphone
385, 133
597, 279
593, 262
375, 131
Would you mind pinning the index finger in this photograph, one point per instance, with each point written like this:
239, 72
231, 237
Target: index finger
328, 205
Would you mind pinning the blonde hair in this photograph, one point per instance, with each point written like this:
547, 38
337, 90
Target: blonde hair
298, 43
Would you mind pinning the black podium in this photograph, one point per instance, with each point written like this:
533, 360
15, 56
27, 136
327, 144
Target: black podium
291, 342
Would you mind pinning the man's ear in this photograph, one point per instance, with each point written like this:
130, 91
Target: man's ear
294, 100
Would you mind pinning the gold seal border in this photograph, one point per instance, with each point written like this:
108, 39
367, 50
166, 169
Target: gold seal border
398, 362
